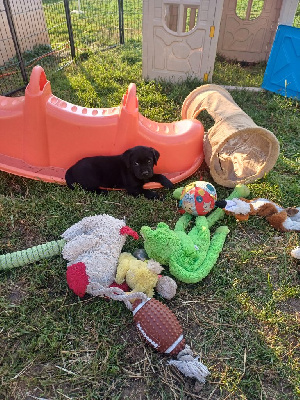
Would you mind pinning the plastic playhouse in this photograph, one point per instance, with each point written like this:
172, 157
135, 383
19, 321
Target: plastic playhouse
41, 135
182, 37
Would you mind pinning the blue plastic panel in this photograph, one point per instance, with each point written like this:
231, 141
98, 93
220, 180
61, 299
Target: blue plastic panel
282, 74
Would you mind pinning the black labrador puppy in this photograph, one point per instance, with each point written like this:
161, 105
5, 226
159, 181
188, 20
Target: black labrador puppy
129, 171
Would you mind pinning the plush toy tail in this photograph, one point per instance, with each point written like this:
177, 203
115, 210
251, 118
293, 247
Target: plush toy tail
33, 254
190, 366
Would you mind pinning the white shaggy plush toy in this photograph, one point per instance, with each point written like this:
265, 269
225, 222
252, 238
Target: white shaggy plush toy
92, 249
296, 253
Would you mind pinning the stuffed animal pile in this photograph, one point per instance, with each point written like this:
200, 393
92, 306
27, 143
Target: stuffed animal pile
97, 266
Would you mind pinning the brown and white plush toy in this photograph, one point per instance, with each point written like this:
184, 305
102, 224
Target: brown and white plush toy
296, 253
282, 219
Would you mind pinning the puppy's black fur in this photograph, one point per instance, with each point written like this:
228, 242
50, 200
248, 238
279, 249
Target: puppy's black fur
129, 171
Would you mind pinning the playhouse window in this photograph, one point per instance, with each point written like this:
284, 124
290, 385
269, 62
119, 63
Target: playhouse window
250, 10
297, 17
190, 18
180, 18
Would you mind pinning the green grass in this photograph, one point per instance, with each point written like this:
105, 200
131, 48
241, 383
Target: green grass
243, 319
96, 26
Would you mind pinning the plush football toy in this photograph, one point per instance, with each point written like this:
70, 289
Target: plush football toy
196, 198
160, 328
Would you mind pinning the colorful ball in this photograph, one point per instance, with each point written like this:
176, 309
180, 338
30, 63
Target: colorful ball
198, 198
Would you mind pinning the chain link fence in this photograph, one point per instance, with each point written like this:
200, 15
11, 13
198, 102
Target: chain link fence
52, 33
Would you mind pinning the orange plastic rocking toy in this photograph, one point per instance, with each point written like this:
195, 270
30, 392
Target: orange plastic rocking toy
41, 135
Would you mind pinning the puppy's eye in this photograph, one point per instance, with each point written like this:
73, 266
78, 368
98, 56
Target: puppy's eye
136, 163
149, 161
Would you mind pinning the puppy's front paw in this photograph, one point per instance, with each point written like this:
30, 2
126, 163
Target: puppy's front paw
166, 182
169, 184
151, 195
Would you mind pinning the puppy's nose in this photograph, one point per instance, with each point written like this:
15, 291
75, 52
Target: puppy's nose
145, 173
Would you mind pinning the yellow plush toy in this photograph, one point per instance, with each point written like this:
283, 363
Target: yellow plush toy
143, 276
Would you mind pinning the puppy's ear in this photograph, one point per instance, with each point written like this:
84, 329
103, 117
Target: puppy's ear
156, 155
126, 157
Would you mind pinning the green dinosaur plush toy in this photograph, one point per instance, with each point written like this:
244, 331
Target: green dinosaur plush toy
190, 256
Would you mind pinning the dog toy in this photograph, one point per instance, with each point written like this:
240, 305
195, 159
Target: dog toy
143, 276
92, 249
166, 287
93, 246
99, 238
240, 190
282, 219
296, 253
190, 256
160, 328
196, 198
31, 255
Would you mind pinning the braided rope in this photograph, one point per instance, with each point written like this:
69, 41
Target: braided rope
115, 293
189, 365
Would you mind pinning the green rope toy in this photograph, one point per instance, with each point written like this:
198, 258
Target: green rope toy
31, 255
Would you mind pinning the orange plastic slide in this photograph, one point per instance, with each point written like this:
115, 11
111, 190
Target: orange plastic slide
41, 135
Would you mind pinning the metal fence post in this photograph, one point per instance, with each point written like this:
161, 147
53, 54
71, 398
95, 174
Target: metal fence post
121, 21
15, 40
70, 29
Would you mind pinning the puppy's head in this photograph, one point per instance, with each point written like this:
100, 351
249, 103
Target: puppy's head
140, 160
